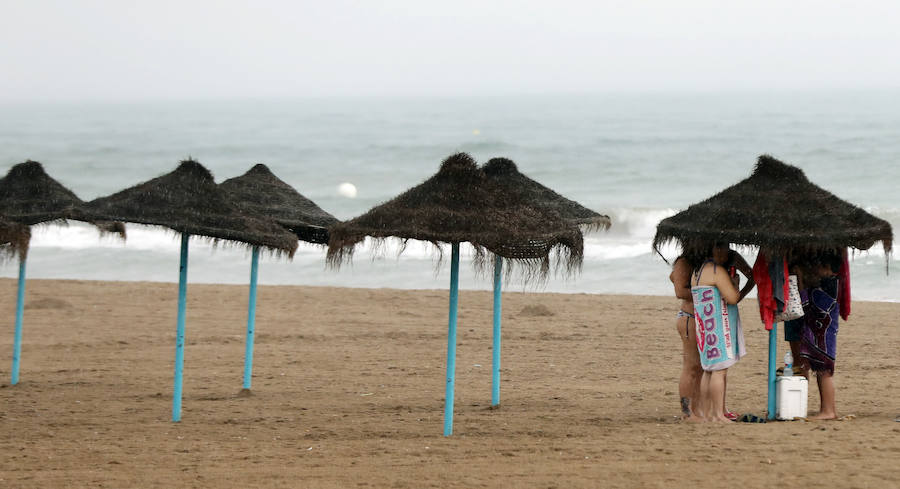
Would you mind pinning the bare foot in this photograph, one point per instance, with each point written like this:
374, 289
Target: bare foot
824, 416
694, 419
720, 419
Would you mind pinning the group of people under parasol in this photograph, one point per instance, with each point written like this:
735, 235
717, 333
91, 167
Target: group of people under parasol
504, 214
802, 274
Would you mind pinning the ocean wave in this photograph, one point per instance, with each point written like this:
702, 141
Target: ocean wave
638, 223
602, 250
78, 235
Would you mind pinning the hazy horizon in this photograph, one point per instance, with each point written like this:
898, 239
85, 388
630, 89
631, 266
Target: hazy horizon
103, 50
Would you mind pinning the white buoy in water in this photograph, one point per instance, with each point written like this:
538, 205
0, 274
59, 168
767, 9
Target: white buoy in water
347, 189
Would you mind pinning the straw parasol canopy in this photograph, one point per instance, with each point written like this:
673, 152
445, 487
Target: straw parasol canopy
14, 238
507, 175
188, 201
460, 204
778, 209
28, 195
259, 191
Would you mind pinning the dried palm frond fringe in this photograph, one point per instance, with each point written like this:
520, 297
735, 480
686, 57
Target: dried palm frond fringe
14, 239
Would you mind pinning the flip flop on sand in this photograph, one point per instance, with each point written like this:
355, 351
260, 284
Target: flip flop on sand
751, 418
732, 415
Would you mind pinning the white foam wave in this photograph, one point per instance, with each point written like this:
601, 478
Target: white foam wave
78, 235
635, 230
639, 223
598, 249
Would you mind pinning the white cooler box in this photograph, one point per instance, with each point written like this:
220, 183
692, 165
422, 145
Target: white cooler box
791, 396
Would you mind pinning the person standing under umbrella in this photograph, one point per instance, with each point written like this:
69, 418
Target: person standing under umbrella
732, 261
691, 373
818, 334
720, 339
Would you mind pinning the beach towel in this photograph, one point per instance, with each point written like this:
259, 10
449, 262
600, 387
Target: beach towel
818, 341
844, 282
720, 338
765, 287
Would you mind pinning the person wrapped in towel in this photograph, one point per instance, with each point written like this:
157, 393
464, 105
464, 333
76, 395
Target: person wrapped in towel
818, 333
720, 339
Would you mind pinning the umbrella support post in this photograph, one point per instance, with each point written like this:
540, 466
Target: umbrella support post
179, 335
451, 341
495, 364
20, 310
251, 319
770, 413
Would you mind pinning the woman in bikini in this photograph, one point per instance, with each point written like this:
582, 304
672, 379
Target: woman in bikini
689, 382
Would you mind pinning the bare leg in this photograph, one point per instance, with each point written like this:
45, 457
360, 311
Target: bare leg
716, 396
724, 390
826, 396
696, 369
798, 359
701, 410
689, 383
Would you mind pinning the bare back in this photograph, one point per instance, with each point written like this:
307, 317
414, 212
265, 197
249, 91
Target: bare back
681, 280
717, 276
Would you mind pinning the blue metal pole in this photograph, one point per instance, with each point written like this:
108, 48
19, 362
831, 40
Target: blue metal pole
251, 319
179, 335
20, 310
772, 353
451, 341
495, 378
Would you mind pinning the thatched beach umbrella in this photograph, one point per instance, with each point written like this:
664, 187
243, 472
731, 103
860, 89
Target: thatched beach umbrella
460, 204
29, 196
260, 192
504, 173
189, 202
779, 210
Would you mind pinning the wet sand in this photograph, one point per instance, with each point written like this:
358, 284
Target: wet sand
348, 392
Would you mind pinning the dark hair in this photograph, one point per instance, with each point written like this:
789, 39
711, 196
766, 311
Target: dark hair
831, 259
693, 257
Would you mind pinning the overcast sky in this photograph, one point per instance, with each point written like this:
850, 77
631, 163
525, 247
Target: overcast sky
51, 50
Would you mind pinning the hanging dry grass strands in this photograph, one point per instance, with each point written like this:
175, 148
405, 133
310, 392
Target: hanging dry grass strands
259, 191
460, 204
188, 201
778, 209
14, 239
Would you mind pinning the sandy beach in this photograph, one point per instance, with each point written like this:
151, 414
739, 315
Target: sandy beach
348, 391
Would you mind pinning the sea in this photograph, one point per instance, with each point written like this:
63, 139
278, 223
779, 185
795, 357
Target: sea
638, 157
